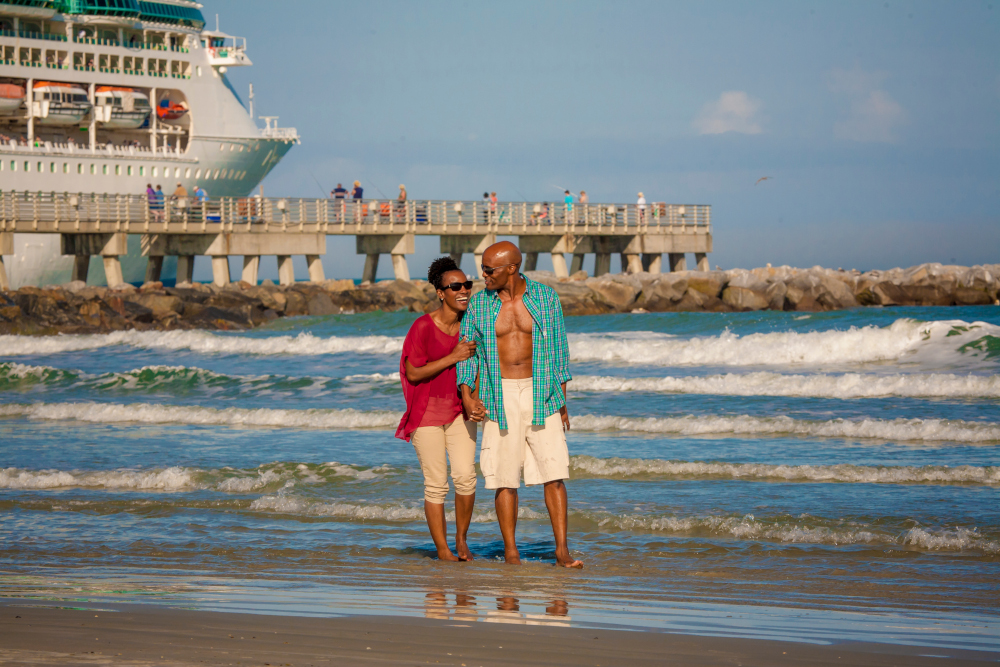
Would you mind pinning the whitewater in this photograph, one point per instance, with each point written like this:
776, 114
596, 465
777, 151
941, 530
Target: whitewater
829, 460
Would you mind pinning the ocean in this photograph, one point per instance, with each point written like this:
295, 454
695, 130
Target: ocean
818, 477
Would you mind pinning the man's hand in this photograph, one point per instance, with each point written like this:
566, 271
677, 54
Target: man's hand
475, 408
564, 413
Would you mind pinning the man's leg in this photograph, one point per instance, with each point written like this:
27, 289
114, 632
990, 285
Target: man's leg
556, 503
506, 504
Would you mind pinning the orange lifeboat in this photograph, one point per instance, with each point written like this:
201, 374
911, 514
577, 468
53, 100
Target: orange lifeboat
11, 97
170, 112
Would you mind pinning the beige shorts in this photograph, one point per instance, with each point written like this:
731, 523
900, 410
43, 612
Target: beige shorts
458, 441
539, 450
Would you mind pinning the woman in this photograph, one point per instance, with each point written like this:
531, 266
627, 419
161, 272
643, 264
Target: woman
433, 419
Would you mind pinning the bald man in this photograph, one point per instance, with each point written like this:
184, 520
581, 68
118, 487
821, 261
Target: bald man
521, 368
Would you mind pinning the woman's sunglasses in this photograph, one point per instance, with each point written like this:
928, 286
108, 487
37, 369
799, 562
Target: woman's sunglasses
457, 286
488, 270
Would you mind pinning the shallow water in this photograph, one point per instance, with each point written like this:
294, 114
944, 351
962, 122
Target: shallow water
740, 464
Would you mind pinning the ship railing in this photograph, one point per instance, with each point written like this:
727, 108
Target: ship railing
101, 150
289, 133
83, 212
30, 34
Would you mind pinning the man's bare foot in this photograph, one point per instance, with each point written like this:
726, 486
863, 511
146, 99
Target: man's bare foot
448, 556
512, 557
463, 551
565, 560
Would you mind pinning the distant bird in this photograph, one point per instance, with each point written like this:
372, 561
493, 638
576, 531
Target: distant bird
762, 178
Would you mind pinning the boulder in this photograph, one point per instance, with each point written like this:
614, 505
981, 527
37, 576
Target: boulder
162, 305
269, 299
337, 285
745, 291
320, 303
709, 283
295, 304
616, 295
213, 317
663, 293
775, 295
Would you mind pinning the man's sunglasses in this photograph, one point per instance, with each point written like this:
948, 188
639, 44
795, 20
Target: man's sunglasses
488, 270
457, 286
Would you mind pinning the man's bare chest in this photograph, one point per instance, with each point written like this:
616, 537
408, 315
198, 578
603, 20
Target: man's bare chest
513, 318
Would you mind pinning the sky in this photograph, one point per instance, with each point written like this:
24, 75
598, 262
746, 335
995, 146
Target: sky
877, 123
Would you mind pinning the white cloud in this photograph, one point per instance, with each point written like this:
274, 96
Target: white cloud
872, 114
734, 111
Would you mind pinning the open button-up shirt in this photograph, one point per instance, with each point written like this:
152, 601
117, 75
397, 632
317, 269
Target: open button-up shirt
549, 351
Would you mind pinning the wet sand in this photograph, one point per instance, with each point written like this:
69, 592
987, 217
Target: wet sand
148, 635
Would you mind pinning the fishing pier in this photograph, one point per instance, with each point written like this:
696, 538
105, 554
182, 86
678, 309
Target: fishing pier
98, 226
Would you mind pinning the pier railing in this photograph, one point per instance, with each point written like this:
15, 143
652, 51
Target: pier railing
75, 213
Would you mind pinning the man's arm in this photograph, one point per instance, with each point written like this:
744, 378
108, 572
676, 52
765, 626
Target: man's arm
561, 358
468, 372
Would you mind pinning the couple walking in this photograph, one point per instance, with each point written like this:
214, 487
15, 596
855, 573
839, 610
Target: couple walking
509, 370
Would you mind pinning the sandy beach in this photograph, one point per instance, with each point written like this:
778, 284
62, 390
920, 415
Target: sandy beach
141, 635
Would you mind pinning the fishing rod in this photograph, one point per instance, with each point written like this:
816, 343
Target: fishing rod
321, 189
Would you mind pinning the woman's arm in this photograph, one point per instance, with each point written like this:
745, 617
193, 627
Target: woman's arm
462, 351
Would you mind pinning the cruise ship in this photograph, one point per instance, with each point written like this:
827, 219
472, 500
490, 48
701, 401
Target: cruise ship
107, 96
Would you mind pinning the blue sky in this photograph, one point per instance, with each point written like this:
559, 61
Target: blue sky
878, 122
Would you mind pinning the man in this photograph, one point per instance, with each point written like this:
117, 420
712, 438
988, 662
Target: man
339, 192
521, 369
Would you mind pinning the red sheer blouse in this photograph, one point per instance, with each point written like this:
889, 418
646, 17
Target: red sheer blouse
435, 401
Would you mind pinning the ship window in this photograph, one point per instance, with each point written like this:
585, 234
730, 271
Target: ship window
40, 167
79, 167
93, 170
65, 167
215, 177
52, 167
222, 147
104, 169
187, 173
197, 173
224, 172
13, 165
142, 171
118, 170
232, 147
154, 172
130, 170
27, 166
198, 70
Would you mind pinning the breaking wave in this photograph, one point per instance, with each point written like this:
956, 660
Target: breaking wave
802, 529
904, 340
620, 468
202, 342
230, 480
144, 413
848, 385
907, 430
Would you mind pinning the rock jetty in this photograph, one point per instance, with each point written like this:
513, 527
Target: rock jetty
78, 308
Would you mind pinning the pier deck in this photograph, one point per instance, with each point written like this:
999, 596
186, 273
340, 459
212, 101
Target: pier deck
98, 225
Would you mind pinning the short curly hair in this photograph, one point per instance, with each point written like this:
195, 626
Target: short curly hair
438, 268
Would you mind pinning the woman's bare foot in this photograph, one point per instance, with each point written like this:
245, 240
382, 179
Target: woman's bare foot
448, 556
512, 557
565, 560
463, 551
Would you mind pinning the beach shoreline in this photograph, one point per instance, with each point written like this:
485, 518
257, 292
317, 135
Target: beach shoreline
128, 634
81, 309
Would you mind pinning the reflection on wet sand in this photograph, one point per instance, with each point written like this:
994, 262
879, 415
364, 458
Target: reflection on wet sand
509, 611
464, 608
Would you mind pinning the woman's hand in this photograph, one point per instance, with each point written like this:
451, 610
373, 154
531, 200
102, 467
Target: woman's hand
464, 350
475, 408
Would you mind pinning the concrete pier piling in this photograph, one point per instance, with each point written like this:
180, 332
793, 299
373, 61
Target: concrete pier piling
94, 225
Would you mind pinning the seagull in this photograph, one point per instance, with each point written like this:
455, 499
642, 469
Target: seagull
762, 178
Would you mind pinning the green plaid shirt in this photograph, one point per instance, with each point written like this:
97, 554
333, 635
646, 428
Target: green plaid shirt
549, 351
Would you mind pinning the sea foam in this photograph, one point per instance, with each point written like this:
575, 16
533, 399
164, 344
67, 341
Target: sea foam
848, 385
907, 430
202, 342
144, 413
929, 343
621, 468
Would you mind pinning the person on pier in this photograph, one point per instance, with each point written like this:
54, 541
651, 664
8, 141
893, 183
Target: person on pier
521, 367
434, 421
